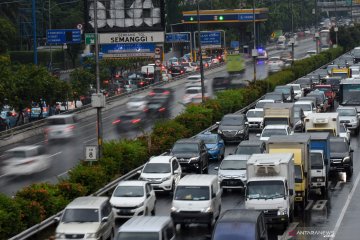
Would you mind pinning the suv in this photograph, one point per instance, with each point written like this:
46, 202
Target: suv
278, 97
133, 198
341, 156
255, 118
192, 154
162, 172
61, 126
349, 117
234, 127
86, 217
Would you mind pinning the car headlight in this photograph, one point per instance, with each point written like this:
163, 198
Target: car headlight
194, 159
140, 205
240, 131
91, 235
353, 120
207, 210
282, 211
221, 176
346, 159
165, 179
60, 235
174, 209
298, 194
219, 132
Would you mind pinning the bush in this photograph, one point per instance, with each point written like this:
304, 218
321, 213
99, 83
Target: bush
70, 190
164, 135
195, 118
10, 217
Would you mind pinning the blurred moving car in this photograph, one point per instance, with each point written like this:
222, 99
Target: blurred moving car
275, 64
61, 127
189, 67
159, 106
9, 116
176, 70
131, 120
214, 144
137, 103
133, 198
26, 160
193, 92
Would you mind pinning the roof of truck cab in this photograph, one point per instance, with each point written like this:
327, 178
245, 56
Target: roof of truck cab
240, 215
323, 115
315, 135
269, 156
300, 138
145, 224
197, 180
278, 105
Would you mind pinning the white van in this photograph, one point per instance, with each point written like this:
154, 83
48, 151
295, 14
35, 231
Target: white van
197, 199
146, 227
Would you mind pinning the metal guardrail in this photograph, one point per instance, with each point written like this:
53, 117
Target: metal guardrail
40, 123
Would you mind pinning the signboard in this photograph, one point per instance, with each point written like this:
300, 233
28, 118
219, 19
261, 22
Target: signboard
234, 44
89, 38
177, 37
210, 38
61, 36
131, 37
91, 153
126, 50
125, 15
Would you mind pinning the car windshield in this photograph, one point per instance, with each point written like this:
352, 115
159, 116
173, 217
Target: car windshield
248, 150
316, 160
269, 132
192, 193
265, 189
338, 147
17, 154
185, 148
303, 81
157, 168
346, 112
129, 191
304, 107
136, 99
232, 121
274, 96
138, 236
244, 231
296, 87
192, 91
324, 89
208, 138
80, 215
285, 90
233, 165
255, 114
261, 104
298, 175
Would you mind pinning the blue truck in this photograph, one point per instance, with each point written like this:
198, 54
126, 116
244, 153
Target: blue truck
319, 160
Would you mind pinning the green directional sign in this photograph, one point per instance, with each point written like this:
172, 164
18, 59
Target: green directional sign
89, 38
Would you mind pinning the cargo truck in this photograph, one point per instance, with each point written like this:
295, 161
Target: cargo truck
279, 114
270, 186
323, 122
320, 160
235, 63
299, 145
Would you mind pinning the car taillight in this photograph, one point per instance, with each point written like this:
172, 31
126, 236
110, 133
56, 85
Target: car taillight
181, 71
169, 71
145, 110
166, 92
141, 83
28, 110
45, 109
219, 57
162, 109
13, 114
70, 128
27, 162
151, 94
134, 121
116, 121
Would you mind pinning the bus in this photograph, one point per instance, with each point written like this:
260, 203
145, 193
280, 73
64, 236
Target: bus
349, 92
325, 40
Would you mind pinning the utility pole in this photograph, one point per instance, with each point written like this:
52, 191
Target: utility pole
98, 109
292, 39
254, 51
200, 54
51, 56
34, 31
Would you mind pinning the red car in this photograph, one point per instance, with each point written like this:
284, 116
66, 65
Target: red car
329, 92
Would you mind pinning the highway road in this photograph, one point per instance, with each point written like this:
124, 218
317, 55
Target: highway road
66, 154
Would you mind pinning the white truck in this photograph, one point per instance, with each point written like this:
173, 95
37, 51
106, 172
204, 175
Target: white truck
270, 186
323, 122
279, 114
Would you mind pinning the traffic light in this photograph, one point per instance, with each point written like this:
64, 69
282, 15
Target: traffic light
191, 18
221, 18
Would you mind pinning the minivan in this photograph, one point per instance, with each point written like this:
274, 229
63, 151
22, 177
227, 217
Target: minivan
146, 227
197, 199
244, 224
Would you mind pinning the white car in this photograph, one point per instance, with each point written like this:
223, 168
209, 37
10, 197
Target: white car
189, 67
298, 91
193, 92
194, 80
275, 64
133, 198
255, 118
60, 127
162, 172
26, 160
261, 103
307, 106
344, 132
355, 71
271, 130
137, 103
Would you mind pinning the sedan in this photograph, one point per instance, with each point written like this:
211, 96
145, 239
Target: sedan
275, 64
132, 120
214, 144
137, 103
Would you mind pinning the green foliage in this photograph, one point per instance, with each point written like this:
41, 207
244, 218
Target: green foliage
164, 135
27, 57
69, 190
80, 81
195, 118
7, 34
10, 217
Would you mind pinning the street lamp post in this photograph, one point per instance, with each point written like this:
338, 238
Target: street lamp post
292, 33
34, 31
254, 51
200, 54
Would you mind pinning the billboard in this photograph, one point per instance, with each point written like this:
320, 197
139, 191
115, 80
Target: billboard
125, 15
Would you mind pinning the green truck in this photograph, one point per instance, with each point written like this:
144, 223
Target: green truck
235, 63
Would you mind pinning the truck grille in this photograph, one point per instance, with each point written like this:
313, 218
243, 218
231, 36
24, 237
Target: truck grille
125, 208
336, 161
232, 182
74, 236
345, 121
317, 179
229, 133
270, 213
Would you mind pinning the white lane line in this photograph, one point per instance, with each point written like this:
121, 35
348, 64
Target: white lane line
343, 211
3, 175
55, 154
90, 140
64, 173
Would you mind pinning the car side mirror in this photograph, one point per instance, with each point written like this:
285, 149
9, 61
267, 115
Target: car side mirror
138, 171
246, 123
217, 123
351, 150
104, 219
258, 134
57, 219
291, 192
216, 168
177, 171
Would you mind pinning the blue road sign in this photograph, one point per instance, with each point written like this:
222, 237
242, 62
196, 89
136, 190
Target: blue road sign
234, 44
61, 36
210, 38
177, 37
128, 47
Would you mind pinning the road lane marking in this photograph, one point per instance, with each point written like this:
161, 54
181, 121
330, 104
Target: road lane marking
90, 140
4, 175
285, 235
53, 155
319, 205
310, 203
343, 211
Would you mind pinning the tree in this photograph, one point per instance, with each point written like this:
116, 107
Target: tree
7, 33
80, 81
